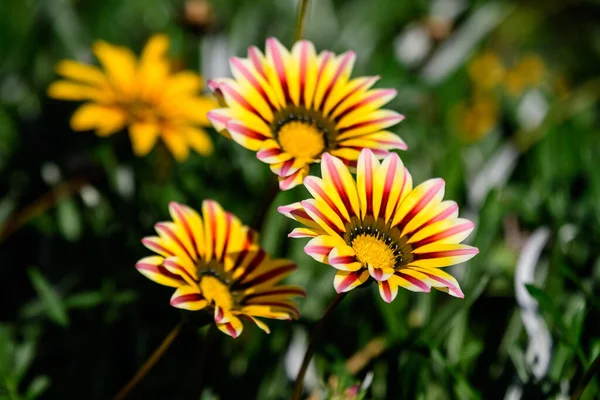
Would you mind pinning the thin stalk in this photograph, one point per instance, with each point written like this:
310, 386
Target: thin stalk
147, 366
314, 336
586, 378
271, 193
301, 17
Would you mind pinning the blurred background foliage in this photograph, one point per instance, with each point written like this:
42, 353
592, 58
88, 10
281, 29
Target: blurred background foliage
501, 101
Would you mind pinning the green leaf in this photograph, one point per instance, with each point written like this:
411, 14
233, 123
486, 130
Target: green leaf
69, 219
37, 387
51, 300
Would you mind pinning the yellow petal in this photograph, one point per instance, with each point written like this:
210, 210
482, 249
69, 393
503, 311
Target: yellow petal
143, 137
176, 143
120, 65
106, 120
81, 72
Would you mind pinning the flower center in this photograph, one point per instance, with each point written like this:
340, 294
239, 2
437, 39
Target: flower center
301, 140
376, 244
373, 251
215, 291
303, 133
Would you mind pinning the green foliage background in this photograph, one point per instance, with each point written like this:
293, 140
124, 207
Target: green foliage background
77, 319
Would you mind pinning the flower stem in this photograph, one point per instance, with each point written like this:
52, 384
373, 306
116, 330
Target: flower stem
587, 377
301, 17
314, 336
147, 366
271, 192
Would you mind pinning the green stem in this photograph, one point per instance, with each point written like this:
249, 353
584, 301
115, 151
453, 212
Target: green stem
301, 17
314, 336
587, 377
147, 366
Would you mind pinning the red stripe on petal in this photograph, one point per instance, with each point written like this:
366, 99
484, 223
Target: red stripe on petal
317, 188
430, 194
231, 330
347, 281
239, 65
387, 186
443, 215
371, 98
303, 66
172, 264
241, 100
447, 253
179, 212
157, 269
368, 82
446, 283
165, 228
396, 118
444, 234
337, 182
420, 284
269, 275
255, 56
152, 245
218, 117
279, 67
342, 260
257, 259
186, 298
386, 291
244, 130
321, 216
336, 76
320, 250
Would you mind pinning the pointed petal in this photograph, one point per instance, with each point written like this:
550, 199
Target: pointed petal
151, 267
188, 298
436, 255
388, 290
343, 258
345, 281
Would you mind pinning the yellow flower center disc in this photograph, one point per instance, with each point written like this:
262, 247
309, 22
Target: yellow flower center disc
215, 291
373, 251
301, 140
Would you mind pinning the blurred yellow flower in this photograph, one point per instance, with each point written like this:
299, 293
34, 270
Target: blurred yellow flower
478, 118
143, 95
528, 72
486, 70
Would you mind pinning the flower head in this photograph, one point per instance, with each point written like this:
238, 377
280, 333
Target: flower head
144, 95
292, 107
216, 265
486, 70
379, 226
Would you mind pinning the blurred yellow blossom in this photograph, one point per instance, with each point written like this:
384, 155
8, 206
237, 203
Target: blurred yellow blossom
486, 70
145, 96
477, 119
528, 72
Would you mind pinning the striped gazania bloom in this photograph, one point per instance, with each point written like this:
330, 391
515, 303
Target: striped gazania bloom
382, 227
292, 107
216, 265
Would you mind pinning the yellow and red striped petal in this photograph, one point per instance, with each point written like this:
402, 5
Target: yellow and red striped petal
343, 258
304, 233
345, 281
441, 280
232, 328
365, 181
219, 118
247, 137
192, 224
340, 185
380, 274
272, 153
323, 215
408, 281
320, 247
296, 212
447, 231
293, 180
388, 290
436, 255
275, 310
268, 274
332, 76
380, 140
176, 240
364, 124
188, 298
288, 167
391, 185
180, 266
249, 76
415, 208
305, 56
155, 244
365, 104
152, 268
316, 187
275, 293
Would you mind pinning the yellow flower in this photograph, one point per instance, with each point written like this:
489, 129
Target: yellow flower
216, 265
144, 95
291, 107
486, 70
477, 119
528, 72
378, 226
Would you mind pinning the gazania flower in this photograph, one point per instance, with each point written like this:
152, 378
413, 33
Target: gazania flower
379, 226
293, 107
144, 95
216, 265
